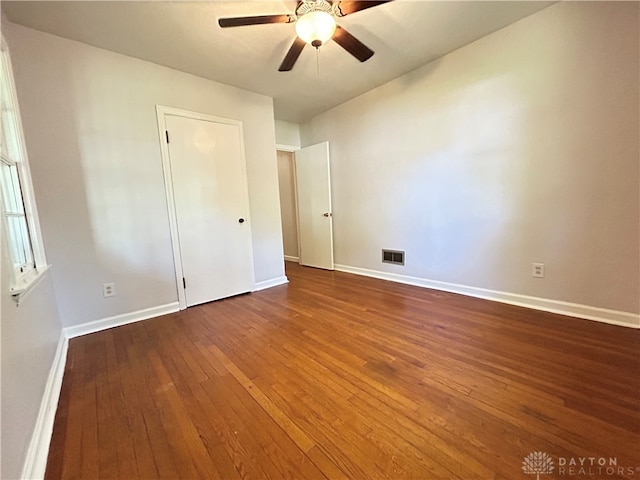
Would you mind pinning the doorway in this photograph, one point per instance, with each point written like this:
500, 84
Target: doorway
288, 208
208, 200
305, 188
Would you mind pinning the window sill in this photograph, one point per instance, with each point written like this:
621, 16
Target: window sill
26, 284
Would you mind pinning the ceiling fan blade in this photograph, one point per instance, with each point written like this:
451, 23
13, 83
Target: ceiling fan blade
258, 20
352, 45
292, 55
347, 7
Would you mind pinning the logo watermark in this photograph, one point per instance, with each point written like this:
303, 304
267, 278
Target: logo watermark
541, 463
537, 463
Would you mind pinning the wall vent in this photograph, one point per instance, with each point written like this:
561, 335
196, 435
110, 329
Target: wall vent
393, 256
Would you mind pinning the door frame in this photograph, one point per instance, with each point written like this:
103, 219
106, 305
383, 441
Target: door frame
161, 113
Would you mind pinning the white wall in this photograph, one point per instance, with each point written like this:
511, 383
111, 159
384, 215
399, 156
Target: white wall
30, 334
520, 147
90, 127
287, 133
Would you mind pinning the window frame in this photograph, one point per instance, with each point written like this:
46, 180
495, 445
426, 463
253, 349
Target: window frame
23, 277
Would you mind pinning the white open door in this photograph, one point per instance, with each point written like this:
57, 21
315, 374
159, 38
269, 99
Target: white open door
209, 204
315, 222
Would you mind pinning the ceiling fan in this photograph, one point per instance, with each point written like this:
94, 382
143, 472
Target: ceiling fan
315, 24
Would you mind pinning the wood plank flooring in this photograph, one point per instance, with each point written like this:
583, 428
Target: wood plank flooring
340, 376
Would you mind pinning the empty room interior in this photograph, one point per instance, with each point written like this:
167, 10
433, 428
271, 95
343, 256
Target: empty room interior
320, 239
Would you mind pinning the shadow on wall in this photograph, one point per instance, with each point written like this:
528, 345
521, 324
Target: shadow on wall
99, 189
463, 180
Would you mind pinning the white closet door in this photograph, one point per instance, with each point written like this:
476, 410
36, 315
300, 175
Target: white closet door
211, 208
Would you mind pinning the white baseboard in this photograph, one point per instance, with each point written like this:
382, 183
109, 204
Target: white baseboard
289, 258
274, 282
110, 322
36, 461
587, 312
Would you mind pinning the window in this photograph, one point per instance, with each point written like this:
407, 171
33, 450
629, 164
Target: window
15, 218
19, 221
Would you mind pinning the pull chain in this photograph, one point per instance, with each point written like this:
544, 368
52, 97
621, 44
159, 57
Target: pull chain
317, 61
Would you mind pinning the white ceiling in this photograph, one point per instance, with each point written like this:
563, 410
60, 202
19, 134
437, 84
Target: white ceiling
185, 35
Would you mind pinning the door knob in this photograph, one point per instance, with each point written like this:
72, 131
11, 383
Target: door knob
326, 214
241, 220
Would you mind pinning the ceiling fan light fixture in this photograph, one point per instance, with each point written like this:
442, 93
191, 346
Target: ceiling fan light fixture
316, 28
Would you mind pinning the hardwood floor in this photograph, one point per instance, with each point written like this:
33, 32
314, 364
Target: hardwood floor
340, 376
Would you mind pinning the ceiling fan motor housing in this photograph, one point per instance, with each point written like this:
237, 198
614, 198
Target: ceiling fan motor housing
307, 6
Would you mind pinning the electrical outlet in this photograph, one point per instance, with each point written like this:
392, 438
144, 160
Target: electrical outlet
538, 270
108, 289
